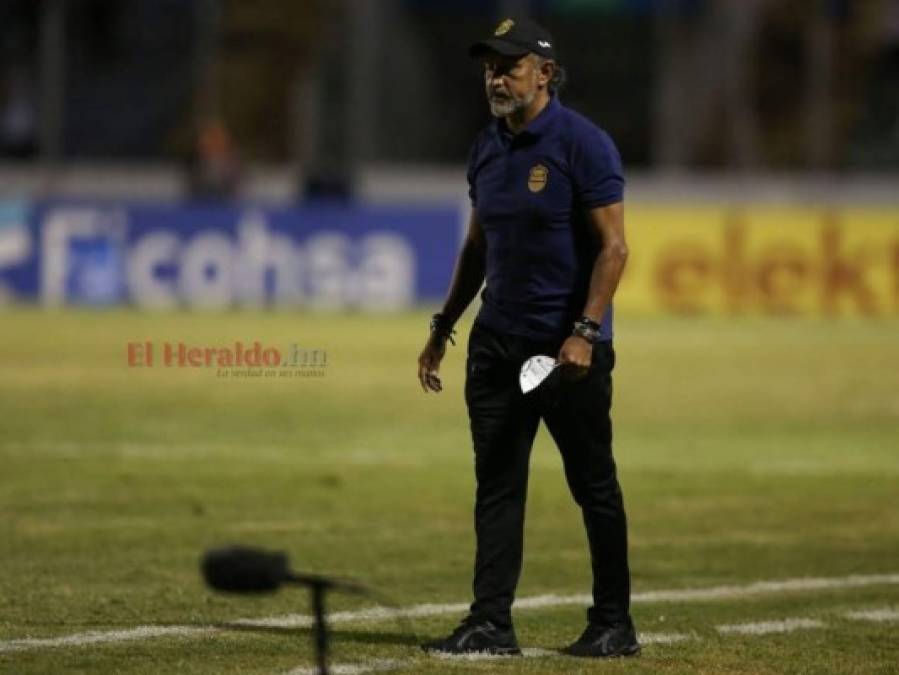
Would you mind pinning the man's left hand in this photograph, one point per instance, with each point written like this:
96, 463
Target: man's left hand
576, 355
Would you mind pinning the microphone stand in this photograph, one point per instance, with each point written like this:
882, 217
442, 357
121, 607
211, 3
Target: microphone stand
321, 627
319, 586
239, 569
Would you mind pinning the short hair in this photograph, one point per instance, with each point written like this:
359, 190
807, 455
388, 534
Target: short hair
560, 75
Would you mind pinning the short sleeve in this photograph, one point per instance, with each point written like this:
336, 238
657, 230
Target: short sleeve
596, 170
471, 175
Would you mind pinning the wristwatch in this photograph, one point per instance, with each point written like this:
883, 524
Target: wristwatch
588, 329
442, 328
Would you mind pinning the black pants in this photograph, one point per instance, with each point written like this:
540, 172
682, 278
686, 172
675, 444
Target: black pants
503, 425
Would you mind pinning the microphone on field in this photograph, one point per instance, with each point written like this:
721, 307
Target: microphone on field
240, 569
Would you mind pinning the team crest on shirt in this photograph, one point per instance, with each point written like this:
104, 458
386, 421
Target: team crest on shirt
504, 27
537, 178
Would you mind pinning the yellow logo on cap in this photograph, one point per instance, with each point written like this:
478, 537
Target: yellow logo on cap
537, 178
504, 27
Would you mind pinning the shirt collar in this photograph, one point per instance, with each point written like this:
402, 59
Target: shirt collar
537, 126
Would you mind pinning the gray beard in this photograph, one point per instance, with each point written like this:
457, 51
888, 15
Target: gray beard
509, 106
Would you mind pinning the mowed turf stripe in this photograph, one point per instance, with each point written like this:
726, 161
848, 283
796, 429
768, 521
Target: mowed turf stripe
883, 614
527, 652
375, 614
661, 638
768, 627
381, 665
373, 666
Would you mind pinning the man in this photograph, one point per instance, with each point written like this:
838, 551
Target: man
547, 234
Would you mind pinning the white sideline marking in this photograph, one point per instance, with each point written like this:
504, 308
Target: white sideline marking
371, 614
661, 638
380, 614
527, 652
373, 666
768, 627
99, 637
767, 587
540, 601
885, 614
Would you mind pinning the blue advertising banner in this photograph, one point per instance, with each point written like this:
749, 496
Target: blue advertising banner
150, 255
17, 273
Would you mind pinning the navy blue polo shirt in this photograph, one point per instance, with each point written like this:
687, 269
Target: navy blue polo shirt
532, 191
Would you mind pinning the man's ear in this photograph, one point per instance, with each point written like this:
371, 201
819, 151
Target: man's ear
547, 70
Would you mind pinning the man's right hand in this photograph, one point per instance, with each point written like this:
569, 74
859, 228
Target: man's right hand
429, 363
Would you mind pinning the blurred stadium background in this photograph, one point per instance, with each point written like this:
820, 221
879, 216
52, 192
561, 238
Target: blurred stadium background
299, 168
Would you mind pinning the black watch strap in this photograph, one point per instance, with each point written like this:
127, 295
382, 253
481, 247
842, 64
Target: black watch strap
587, 329
442, 328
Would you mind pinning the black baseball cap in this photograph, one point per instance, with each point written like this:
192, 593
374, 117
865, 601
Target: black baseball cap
516, 37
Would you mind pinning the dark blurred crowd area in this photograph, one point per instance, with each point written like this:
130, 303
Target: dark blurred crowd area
680, 84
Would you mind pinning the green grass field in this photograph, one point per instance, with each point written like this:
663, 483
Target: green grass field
749, 450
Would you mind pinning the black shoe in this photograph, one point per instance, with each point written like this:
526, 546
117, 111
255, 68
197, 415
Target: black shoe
476, 637
605, 641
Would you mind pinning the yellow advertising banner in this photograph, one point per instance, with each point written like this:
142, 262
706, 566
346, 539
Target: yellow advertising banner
766, 259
